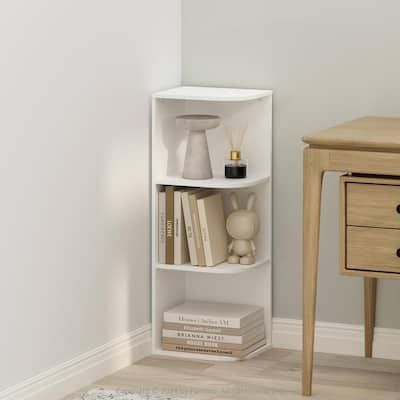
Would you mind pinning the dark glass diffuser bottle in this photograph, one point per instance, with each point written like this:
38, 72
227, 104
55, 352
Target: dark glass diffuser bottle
235, 167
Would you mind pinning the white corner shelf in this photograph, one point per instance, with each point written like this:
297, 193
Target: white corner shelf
227, 283
218, 182
199, 93
223, 268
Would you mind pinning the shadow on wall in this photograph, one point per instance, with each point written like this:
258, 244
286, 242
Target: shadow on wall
127, 212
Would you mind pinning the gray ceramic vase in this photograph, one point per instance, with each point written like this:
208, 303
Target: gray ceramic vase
197, 159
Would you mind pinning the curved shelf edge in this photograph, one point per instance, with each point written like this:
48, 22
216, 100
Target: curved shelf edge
204, 93
213, 183
223, 268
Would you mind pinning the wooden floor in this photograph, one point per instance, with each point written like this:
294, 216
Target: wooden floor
274, 374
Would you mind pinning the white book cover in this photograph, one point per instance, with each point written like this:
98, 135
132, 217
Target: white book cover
189, 228
173, 326
213, 229
161, 227
214, 314
181, 252
256, 334
194, 209
213, 351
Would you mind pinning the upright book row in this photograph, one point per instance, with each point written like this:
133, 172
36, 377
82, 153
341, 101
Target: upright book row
191, 227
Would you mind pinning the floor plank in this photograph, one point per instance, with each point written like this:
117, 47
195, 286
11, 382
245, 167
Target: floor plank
273, 375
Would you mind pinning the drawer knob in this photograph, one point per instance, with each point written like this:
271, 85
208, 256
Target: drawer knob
398, 252
398, 209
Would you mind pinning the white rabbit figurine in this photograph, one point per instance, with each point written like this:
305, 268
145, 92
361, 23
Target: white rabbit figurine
242, 226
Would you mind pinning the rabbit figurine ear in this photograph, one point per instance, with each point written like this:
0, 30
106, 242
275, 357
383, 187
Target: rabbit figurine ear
234, 201
251, 200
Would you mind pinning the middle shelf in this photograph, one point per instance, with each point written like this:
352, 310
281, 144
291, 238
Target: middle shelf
218, 182
223, 268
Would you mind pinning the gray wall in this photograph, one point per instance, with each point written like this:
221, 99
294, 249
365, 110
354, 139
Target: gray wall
327, 62
76, 79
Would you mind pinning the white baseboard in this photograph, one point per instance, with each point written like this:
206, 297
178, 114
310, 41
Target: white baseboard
83, 370
336, 338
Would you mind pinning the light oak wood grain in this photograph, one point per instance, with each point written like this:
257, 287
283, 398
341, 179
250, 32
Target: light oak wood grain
374, 205
370, 274
365, 133
273, 376
347, 181
371, 179
369, 145
342, 223
312, 188
360, 162
369, 314
373, 249
368, 162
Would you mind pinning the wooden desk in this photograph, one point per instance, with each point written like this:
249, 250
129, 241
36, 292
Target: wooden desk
369, 145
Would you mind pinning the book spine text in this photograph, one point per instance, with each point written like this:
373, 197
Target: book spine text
161, 227
169, 225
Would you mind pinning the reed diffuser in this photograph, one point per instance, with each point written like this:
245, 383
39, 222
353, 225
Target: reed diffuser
235, 166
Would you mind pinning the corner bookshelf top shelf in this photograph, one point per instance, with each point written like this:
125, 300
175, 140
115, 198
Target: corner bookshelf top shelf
218, 182
223, 268
211, 94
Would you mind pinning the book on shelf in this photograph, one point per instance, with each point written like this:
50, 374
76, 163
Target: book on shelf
223, 315
212, 350
211, 329
213, 228
191, 217
181, 252
189, 226
161, 227
212, 344
169, 224
192, 227
248, 338
194, 210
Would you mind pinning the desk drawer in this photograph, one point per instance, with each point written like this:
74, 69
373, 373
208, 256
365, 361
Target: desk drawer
373, 205
373, 249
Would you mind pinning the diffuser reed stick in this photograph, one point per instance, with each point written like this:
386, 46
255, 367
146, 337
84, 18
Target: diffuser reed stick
242, 132
239, 137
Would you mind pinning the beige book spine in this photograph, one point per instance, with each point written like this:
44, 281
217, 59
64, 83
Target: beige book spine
200, 350
205, 234
219, 322
161, 227
196, 230
181, 255
213, 344
212, 351
169, 225
257, 333
189, 228
212, 329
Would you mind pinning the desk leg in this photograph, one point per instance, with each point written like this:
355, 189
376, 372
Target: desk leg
312, 187
369, 313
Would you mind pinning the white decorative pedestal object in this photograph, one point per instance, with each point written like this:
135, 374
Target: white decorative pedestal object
197, 160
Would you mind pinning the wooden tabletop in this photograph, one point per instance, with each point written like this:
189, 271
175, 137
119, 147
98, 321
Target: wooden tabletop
369, 133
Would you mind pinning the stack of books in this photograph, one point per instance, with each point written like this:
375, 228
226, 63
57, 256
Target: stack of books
191, 227
220, 329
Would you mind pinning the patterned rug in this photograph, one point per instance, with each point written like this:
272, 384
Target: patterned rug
108, 394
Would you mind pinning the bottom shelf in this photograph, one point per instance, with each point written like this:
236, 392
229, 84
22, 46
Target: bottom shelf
206, 357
